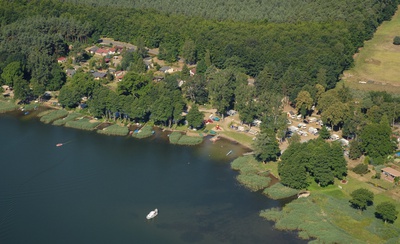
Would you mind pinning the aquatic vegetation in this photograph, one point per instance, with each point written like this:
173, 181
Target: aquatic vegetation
115, 130
53, 115
82, 124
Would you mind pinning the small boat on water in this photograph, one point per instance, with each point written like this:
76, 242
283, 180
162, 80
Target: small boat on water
152, 214
59, 144
229, 152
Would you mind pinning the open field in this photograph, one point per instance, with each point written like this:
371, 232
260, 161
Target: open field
377, 63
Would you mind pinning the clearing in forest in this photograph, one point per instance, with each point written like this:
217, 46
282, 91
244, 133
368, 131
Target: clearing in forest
376, 66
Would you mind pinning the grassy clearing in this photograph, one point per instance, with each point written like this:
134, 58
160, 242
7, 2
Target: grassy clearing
115, 130
378, 61
145, 131
279, 191
53, 115
7, 105
70, 117
242, 138
82, 124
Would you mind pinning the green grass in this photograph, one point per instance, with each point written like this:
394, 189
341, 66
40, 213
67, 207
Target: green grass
82, 124
279, 191
70, 117
115, 130
53, 115
7, 105
144, 132
378, 60
174, 137
242, 138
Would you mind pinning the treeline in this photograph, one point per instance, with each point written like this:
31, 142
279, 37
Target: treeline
283, 56
252, 10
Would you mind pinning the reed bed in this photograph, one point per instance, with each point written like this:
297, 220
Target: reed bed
70, 117
6, 106
144, 132
181, 139
330, 220
174, 137
279, 191
82, 124
53, 115
114, 130
254, 182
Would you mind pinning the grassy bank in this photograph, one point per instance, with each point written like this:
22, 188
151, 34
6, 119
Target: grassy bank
279, 191
115, 130
7, 105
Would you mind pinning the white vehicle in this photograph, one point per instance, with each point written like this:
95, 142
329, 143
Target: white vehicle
152, 214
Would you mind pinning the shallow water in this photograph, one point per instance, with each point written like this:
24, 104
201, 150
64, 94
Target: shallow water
99, 189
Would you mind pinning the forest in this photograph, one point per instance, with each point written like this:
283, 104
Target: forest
298, 59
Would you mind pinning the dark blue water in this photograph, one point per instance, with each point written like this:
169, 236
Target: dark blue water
99, 189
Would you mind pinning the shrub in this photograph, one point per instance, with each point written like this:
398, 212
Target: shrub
396, 40
361, 169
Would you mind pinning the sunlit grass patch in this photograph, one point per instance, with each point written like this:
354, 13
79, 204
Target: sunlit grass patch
115, 130
53, 115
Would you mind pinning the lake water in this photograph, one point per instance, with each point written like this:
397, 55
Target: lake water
99, 189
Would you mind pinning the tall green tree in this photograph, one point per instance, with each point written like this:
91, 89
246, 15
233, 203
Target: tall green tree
194, 117
266, 147
361, 198
386, 211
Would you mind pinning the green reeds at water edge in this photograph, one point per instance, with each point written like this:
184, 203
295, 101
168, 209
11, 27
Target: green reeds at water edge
53, 115
180, 139
70, 117
115, 130
83, 124
279, 191
145, 131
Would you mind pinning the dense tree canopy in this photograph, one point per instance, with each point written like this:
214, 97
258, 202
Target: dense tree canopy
386, 211
361, 198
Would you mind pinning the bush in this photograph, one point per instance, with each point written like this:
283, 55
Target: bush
396, 40
360, 169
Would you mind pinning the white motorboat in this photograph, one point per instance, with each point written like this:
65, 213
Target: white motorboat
152, 214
